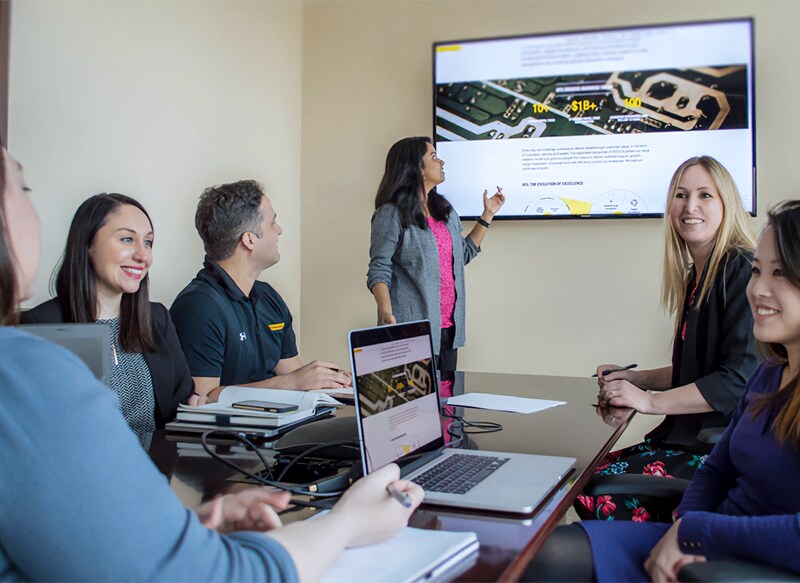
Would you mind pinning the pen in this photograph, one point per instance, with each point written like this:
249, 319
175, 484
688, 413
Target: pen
609, 371
401, 497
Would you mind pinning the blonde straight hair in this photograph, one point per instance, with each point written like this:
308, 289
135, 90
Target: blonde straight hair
735, 232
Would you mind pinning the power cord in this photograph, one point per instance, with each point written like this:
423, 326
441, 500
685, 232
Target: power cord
472, 427
301, 490
319, 447
457, 432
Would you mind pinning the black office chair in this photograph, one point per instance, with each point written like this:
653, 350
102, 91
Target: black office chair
714, 571
661, 495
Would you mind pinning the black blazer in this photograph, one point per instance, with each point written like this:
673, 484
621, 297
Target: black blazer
172, 381
718, 354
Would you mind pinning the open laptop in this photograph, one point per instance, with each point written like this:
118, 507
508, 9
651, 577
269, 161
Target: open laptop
397, 406
90, 342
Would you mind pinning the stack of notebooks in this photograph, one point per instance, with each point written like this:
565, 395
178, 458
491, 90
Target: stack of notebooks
222, 414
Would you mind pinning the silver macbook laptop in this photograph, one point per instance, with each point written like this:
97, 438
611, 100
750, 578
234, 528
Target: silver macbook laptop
397, 405
90, 342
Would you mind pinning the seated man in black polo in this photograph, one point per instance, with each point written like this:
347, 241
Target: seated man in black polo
236, 330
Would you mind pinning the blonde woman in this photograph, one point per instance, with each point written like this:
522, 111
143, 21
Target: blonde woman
707, 262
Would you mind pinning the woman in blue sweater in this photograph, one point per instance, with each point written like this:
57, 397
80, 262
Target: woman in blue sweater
742, 504
81, 500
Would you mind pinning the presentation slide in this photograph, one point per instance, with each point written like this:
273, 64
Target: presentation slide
592, 124
397, 399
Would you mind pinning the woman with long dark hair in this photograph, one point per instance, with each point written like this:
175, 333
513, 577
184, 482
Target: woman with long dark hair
742, 503
417, 252
104, 278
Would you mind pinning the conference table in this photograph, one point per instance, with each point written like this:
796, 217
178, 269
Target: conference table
507, 542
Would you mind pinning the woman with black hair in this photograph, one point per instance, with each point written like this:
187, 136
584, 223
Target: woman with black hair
104, 278
417, 253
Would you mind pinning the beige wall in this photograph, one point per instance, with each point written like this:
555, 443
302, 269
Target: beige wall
548, 298
158, 99
161, 98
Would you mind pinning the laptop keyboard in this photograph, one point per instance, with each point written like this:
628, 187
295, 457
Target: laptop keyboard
459, 473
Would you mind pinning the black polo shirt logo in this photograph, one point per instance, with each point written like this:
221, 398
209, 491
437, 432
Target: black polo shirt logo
256, 329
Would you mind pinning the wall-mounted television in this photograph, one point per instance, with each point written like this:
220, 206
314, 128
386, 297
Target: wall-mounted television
592, 124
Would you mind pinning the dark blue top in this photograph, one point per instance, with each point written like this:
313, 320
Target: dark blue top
741, 504
225, 334
80, 500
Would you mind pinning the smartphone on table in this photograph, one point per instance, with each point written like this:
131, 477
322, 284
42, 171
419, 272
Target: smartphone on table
265, 406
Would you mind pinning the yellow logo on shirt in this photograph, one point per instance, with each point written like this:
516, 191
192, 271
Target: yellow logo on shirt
276, 327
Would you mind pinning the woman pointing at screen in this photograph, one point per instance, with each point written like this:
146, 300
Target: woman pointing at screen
417, 253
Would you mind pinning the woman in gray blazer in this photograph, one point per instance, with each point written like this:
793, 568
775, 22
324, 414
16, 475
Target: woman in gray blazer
417, 253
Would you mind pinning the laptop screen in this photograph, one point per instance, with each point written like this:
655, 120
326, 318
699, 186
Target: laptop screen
91, 342
395, 387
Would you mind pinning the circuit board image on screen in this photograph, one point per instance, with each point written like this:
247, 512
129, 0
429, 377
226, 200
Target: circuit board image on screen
707, 98
592, 124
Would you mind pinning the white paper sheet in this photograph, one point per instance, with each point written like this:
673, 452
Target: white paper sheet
412, 555
502, 402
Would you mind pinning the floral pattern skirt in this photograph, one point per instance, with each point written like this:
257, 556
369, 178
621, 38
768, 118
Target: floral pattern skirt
642, 458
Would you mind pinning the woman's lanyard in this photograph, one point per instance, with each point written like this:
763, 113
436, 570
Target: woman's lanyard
688, 309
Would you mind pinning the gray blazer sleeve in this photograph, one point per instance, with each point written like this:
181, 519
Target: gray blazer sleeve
385, 235
469, 248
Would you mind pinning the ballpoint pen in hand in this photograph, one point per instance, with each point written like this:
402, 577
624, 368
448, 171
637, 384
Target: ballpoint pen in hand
401, 497
609, 371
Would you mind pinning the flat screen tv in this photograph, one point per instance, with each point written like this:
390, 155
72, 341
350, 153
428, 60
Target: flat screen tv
592, 124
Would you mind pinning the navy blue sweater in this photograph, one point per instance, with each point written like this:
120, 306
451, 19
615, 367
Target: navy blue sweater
743, 502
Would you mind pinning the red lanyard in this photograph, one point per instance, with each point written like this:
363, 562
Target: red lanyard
688, 309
